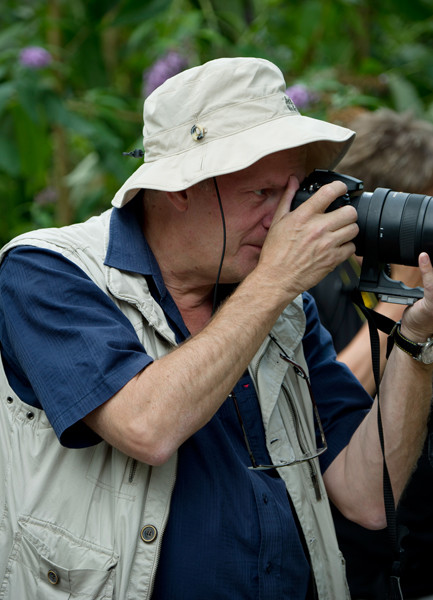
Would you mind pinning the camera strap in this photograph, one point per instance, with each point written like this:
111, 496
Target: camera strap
376, 322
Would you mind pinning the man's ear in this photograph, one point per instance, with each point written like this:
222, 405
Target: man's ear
179, 200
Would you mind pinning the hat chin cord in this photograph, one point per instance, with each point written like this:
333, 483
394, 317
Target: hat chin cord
215, 292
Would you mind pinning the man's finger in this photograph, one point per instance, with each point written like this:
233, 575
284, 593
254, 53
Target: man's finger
321, 200
286, 200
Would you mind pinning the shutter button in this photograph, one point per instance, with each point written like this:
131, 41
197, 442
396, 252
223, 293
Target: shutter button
53, 577
149, 533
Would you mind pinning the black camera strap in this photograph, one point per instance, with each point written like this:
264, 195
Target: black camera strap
376, 322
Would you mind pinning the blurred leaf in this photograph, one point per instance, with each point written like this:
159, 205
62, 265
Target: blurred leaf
89, 127
415, 10
102, 97
27, 97
33, 149
6, 92
85, 176
404, 95
131, 15
9, 157
10, 35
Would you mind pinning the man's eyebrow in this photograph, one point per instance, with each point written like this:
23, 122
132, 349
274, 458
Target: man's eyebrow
264, 184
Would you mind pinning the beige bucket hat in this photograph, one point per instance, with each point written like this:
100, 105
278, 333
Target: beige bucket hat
222, 117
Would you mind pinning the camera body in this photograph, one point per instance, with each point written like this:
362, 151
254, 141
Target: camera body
320, 177
394, 227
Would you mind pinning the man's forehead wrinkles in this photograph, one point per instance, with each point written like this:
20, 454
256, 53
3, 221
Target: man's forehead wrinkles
269, 179
264, 181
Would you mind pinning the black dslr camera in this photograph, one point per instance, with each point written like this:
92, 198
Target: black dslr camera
394, 227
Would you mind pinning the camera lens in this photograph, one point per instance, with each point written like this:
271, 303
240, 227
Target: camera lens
394, 227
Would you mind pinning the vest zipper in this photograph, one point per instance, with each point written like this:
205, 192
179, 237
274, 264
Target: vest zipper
159, 541
302, 444
132, 470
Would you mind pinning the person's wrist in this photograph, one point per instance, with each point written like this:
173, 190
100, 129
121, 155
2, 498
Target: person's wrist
420, 351
414, 335
270, 283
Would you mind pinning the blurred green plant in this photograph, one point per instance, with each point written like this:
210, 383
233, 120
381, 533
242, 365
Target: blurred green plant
73, 76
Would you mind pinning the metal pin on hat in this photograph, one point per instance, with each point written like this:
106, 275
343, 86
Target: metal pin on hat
198, 132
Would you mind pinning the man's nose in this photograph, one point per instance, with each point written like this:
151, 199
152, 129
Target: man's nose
267, 220
271, 210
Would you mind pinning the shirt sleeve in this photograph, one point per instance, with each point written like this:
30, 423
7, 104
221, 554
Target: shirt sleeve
66, 347
341, 400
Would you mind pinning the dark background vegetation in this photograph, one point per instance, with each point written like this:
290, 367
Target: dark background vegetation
66, 122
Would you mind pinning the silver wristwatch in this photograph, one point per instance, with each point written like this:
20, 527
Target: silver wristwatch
421, 351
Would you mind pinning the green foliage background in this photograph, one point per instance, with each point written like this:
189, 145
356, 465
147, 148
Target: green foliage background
64, 127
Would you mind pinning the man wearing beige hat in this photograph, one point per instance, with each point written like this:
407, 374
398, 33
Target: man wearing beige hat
169, 398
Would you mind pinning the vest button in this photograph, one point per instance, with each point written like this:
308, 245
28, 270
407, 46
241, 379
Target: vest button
53, 577
149, 533
30, 415
9, 399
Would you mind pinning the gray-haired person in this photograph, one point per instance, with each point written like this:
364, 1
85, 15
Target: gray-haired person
165, 374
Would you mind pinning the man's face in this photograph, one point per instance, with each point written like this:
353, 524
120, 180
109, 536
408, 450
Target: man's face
249, 198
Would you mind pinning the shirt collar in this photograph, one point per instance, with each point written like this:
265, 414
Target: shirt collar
128, 249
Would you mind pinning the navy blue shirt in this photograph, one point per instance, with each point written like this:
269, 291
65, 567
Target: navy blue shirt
67, 348
231, 532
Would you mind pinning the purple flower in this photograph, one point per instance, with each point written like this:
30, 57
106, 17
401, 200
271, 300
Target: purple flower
300, 95
35, 57
167, 66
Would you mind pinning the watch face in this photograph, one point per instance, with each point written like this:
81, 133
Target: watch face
426, 354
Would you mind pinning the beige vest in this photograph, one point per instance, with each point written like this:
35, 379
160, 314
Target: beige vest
89, 523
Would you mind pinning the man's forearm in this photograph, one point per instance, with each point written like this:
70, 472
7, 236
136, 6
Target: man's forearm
179, 393
357, 354
405, 397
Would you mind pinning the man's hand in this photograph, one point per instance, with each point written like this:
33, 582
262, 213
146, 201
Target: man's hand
304, 245
417, 321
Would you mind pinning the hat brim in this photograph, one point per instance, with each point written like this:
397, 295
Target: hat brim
326, 144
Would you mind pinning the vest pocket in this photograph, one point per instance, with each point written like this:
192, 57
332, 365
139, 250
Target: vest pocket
48, 563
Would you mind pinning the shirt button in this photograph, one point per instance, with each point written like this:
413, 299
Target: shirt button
265, 498
53, 577
149, 533
268, 568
